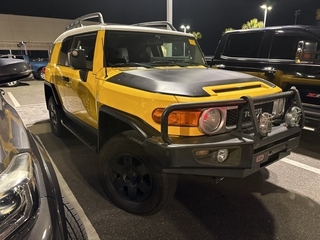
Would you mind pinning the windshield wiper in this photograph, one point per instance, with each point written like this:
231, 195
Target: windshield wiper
190, 62
183, 63
130, 64
163, 63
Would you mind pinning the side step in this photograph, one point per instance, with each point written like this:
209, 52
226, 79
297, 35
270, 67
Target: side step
83, 135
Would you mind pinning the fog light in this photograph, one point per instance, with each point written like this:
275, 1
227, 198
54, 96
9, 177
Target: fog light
221, 155
265, 124
293, 117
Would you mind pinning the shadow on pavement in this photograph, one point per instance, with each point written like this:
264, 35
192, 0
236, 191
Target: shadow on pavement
250, 208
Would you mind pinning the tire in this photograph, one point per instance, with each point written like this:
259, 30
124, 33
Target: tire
40, 75
75, 227
13, 84
56, 114
129, 179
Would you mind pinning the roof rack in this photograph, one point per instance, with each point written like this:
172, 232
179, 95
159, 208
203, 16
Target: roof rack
159, 24
78, 22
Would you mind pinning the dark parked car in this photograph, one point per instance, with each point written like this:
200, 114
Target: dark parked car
12, 70
284, 55
31, 204
36, 64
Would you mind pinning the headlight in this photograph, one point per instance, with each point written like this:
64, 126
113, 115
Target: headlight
210, 121
16, 194
278, 107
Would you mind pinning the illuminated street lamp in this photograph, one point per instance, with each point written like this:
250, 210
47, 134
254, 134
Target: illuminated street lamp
185, 28
266, 8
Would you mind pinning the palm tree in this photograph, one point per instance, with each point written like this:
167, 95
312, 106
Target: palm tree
227, 30
197, 35
253, 23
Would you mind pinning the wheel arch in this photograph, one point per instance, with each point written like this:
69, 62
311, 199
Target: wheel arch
51, 91
112, 122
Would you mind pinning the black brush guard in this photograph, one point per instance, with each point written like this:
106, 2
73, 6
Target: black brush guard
245, 103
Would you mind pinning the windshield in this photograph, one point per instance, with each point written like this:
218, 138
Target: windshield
151, 50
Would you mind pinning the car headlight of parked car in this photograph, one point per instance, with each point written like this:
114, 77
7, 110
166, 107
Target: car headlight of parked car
17, 194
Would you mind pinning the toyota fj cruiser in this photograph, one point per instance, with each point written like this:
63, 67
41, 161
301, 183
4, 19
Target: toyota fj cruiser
144, 99
286, 55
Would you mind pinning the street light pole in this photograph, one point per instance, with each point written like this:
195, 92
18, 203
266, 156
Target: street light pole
266, 8
169, 11
296, 13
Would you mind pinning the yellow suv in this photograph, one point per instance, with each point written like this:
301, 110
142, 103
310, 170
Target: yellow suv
142, 97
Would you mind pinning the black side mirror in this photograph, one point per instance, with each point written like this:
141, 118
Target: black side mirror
77, 59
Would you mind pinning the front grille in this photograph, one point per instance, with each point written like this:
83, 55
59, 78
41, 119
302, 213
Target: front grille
232, 114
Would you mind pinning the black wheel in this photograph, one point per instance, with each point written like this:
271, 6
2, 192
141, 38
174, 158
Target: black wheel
130, 179
75, 227
56, 113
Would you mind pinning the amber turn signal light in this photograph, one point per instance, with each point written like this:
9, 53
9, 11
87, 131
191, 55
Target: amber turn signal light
185, 118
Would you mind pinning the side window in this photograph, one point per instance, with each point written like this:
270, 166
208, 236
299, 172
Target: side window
243, 45
63, 55
87, 44
285, 46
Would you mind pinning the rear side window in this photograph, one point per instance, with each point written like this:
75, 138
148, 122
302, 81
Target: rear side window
243, 45
285, 46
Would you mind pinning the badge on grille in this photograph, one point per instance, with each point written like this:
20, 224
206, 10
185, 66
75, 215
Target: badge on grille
257, 111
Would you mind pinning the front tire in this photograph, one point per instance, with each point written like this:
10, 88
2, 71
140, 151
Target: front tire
56, 114
129, 178
75, 227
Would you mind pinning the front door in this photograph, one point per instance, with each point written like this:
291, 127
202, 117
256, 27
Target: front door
79, 93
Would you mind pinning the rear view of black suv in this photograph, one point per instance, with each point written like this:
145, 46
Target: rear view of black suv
285, 55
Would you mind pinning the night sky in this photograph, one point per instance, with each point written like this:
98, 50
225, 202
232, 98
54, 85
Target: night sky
210, 17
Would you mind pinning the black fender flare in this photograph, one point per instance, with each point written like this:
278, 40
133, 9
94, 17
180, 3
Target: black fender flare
50, 90
138, 124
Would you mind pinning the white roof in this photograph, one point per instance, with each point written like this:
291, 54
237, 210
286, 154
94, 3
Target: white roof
118, 27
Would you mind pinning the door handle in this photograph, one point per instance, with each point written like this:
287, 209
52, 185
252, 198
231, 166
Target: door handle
269, 70
65, 78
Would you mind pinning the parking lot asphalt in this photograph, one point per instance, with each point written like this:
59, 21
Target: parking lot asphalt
279, 202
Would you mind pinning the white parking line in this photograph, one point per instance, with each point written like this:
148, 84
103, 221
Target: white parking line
13, 99
301, 165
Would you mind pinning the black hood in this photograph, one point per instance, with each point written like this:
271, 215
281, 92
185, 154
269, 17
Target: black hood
182, 82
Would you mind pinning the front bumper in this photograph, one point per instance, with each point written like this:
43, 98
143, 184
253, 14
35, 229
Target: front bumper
248, 150
246, 157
